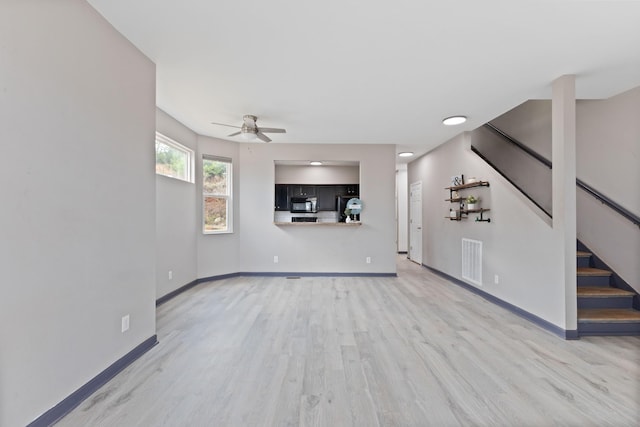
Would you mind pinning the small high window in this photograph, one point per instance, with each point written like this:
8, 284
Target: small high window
217, 195
173, 159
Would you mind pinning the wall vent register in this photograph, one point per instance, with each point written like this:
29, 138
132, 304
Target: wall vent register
472, 261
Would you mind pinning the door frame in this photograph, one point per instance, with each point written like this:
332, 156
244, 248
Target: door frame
415, 206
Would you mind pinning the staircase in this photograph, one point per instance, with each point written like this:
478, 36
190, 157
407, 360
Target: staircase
602, 309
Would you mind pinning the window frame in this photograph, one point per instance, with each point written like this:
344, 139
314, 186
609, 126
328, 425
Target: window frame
227, 197
189, 164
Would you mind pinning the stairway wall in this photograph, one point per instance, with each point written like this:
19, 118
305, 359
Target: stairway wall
607, 153
516, 237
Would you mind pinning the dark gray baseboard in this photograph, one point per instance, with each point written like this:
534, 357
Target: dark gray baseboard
175, 293
190, 285
566, 334
77, 397
218, 277
196, 282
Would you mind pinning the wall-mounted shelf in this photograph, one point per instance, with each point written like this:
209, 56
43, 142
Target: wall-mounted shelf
469, 185
463, 213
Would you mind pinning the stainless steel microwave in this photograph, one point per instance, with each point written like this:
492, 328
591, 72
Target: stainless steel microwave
304, 205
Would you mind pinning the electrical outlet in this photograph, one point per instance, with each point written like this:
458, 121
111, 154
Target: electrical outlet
496, 279
275, 259
170, 274
368, 260
125, 323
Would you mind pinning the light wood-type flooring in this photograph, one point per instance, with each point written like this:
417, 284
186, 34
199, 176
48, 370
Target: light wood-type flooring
415, 350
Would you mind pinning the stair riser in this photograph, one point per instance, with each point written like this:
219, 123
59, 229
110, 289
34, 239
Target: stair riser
586, 329
583, 262
593, 281
609, 302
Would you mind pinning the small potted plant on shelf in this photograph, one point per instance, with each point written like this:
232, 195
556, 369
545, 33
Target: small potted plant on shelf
347, 213
472, 202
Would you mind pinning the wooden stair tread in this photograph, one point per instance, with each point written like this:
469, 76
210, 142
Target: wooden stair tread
583, 254
602, 292
608, 315
589, 271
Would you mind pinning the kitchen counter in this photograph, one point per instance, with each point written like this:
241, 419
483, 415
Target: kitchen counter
319, 224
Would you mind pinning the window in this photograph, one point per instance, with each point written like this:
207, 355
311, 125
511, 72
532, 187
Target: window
216, 191
173, 159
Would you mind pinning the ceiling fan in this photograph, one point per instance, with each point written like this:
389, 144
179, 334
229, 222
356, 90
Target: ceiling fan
249, 130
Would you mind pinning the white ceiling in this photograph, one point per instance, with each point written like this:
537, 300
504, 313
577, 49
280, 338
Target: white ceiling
349, 71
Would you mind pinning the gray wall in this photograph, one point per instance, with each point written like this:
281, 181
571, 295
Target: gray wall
530, 122
313, 248
190, 254
181, 245
77, 226
526, 172
608, 150
328, 175
608, 141
176, 217
219, 253
607, 153
518, 245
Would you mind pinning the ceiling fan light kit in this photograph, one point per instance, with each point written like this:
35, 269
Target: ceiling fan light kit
250, 130
249, 134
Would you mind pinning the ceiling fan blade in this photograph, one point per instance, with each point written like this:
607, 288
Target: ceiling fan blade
235, 133
223, 124
263, 137
272, 130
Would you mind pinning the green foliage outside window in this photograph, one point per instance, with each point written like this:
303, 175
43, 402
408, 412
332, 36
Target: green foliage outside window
216, 176
172, 159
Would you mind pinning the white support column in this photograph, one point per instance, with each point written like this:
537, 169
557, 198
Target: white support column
564, 186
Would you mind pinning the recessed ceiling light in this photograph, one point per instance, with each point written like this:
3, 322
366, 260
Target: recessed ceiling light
454, 120
406, 154
315, 163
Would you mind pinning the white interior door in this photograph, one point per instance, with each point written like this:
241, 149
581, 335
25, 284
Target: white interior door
415, 222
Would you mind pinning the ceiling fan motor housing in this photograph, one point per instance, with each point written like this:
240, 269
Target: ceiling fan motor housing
249, 126
248, 129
